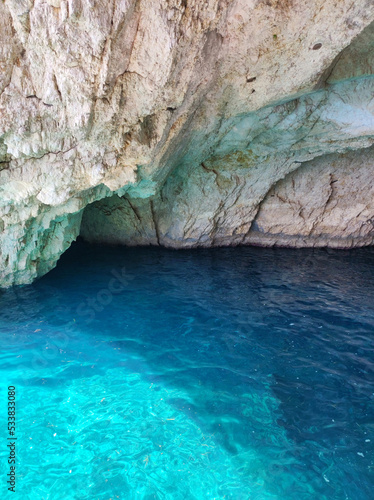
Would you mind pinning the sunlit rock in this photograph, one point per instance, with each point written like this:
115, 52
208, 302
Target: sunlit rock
177, 123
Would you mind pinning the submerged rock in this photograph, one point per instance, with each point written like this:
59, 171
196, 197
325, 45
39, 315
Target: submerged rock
183, 123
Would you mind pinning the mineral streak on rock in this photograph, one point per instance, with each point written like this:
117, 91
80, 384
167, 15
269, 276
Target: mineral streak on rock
183, 123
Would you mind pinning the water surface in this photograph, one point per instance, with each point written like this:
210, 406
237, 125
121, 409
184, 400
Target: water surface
146, 373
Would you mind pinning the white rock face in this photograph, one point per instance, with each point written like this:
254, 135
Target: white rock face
183, 123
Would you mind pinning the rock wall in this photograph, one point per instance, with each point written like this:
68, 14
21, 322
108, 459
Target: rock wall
183, 123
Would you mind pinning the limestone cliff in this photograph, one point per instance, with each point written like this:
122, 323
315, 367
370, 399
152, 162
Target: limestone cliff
183, 123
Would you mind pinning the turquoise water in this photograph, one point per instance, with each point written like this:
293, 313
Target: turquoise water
145, 373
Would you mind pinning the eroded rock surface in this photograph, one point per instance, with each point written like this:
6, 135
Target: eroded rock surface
183, 123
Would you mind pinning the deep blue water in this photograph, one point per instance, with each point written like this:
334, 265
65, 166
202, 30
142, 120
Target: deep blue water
240, 373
